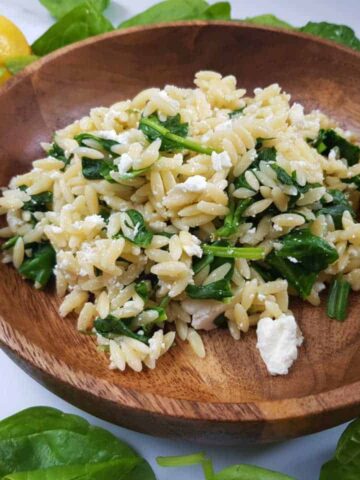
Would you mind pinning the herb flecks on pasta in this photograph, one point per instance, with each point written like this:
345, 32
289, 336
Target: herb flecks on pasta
184, 210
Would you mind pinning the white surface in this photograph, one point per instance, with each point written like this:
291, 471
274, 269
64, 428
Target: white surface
301, 457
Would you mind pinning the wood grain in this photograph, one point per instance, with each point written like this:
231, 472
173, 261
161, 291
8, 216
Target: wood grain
228, 397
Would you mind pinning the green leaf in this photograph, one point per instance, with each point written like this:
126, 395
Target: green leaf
346, 463
102, 143
169, 11
336, 208
329, 139
44, 444
237, 112
39, 266
10, 243
144, 289
131, 174
332, 31
141, 234
234, 218
58, 153
250, 472
82, 22
218, 11
268, 20
16, 64
217, 290
110, 326
338, 299
97, 169
59, 8
250, 253
311, 252
39, 202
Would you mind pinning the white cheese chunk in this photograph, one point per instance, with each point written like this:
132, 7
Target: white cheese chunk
277, 341
203, 312
220, 161
197, 183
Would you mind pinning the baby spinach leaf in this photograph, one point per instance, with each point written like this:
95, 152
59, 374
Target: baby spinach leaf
104, 143
82, 22
97, 169
57, 152
338, 205
338, 299
39, 267
110, 326
269, 20
311, 252
16, 64
346, 463
39, 202
59, 8
42, 443
249, 472
217, 290
329, 139
10, 243
168, 11
141, 234
282, 174
332, 31
299, 279
218, 11
234, 218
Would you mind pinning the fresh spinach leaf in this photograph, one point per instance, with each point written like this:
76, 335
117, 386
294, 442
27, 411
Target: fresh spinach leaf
42, 443
169, 11
103, 143
249, 472
346, 463
218, 11
16, 64
329, 139
141, 235
110, 326
97, 169
266, 154
311, 252
282, 175
39, 202
39, 267
338, 299
332, 31
59, 153
59, 8
268, 20
172, 134
82, 22
336, 208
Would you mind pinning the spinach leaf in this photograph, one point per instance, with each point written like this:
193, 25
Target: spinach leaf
269, 20
10, 243
299, 279
336, 208
58, 153
355, 180
168, 11
131, 174
104, 143
234, 218
250, 253
237, 112
97, 169
39, 267
172, 134
141, 234
42, 443
110, 326
249, 472
39, 202
338, 299
82, 22
282, 175
217, 290
332, 31
346, 463
16, 64
329, 139
59, 8
218, 11
144, 289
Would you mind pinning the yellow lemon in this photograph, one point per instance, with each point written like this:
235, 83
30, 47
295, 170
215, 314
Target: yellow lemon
12, 44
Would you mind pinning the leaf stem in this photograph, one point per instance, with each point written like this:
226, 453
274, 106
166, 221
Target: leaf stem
250, 253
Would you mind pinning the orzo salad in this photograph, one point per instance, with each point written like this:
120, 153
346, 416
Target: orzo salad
184, 210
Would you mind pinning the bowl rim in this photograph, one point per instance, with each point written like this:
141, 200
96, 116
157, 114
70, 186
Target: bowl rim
342, 398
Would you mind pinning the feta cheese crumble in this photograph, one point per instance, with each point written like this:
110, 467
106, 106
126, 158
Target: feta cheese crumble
277, 341
220, 161
197, 183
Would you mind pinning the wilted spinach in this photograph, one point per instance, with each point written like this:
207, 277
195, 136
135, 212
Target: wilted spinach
329, 139
40, 265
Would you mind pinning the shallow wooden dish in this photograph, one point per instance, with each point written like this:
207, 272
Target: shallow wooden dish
228, 397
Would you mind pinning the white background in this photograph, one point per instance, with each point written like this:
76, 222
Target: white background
302, 457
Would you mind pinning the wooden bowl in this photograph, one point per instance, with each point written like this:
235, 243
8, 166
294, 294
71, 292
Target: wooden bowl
229, 396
